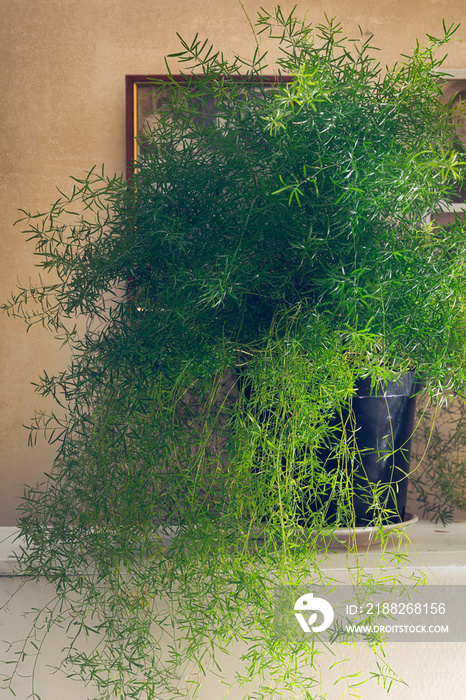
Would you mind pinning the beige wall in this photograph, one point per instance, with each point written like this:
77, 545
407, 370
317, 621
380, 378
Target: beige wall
62, 65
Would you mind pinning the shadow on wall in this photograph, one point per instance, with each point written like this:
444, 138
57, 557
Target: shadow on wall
437, 487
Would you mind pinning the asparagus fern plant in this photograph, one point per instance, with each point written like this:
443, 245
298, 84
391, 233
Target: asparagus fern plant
281, 228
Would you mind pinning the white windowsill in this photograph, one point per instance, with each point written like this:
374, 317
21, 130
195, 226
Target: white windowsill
451, 208
428, 545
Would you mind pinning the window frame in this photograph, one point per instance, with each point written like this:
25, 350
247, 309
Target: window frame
452, 76
135, 82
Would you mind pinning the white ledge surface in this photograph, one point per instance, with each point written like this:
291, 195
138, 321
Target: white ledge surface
428, 545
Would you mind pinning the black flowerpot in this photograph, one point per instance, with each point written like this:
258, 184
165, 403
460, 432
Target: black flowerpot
378, 426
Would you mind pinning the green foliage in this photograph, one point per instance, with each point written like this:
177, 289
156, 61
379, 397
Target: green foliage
272, 230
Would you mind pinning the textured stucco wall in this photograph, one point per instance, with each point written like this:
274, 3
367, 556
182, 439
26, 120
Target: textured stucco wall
62, 67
